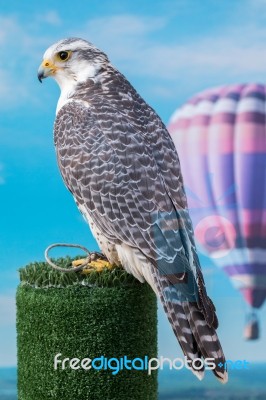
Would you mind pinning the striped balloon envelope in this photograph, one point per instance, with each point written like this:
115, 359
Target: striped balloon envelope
220, 136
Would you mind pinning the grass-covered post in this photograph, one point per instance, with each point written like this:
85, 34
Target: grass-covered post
101, 315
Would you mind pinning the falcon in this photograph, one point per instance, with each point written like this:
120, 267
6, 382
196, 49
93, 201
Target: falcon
117, 159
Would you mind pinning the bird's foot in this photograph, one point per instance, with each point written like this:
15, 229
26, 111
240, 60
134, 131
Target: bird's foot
97, 265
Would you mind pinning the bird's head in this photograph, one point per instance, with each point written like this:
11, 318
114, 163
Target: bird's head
71, 60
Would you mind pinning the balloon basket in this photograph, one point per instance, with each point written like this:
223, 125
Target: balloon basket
251, 330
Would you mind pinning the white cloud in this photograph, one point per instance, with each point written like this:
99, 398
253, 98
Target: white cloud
12, 91
50, 17
124, 25
22, 50
236, 53
123, 37
134, 44
238, 49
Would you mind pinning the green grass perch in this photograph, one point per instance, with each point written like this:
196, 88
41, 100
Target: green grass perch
103, 313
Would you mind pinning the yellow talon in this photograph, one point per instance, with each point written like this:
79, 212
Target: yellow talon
77, 263
98, 265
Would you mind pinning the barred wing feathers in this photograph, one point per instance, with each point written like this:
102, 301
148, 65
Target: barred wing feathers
126, 177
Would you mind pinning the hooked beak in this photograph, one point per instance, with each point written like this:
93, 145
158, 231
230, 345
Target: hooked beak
46, 69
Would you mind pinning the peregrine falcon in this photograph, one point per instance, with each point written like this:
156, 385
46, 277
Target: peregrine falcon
117, 159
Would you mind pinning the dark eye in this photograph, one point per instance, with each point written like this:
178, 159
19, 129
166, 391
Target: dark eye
63, 55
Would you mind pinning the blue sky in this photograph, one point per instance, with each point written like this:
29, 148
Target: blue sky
168, 50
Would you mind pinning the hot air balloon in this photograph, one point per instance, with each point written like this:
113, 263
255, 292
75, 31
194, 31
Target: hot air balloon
220, 136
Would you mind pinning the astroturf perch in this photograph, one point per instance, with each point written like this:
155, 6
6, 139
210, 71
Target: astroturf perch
83, 316
119, 162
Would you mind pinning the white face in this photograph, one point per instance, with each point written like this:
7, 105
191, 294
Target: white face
71, 61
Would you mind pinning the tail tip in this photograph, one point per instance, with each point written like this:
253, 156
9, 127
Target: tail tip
198, 373
222, 376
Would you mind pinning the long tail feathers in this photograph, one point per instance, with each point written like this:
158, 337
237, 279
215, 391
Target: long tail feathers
196, 337
207, 339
